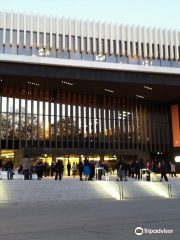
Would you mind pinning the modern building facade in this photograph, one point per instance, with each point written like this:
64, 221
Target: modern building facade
71, 87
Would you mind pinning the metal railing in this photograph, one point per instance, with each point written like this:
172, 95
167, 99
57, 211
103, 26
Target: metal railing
152, 175
98, 174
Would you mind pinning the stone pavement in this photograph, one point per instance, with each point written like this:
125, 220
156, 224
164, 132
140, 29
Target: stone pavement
90, 220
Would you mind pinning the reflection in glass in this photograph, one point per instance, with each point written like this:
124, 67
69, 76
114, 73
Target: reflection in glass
134, 59
52, 128
63, 54
58, 128
10, 126
155, 61
176, 63
23, 126
29, 127
41, 127
47, 127
122, 59
11, 95
24, 50
35, 131
75, 55
41, 99
37, 52
50, 52
166, 62
16, 126
111, 57
11, 49
3, 125
87, 56
99, 55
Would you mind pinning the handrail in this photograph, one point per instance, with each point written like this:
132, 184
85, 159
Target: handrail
152, 179
107, 180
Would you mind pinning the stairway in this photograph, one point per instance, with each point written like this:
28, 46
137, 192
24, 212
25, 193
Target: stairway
49, 190
137, 189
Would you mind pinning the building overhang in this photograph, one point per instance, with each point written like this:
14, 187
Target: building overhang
87, 64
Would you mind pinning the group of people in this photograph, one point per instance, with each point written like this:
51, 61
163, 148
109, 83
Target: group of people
124, 169
130, 169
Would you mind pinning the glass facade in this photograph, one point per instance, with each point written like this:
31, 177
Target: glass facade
49, 119
71, 53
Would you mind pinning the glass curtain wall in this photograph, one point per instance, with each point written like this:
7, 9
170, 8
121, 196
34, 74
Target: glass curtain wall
37, 118
69, 52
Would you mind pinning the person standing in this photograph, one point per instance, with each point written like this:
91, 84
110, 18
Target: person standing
164, 171
122, 170
86, 168
9, 167
39, 166
69, 168
52, 168
137, 169
48, 169
132, 168
173, 170
58, 170
74, 168
81, 168
92, 169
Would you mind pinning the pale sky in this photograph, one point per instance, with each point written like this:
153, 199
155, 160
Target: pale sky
159, 13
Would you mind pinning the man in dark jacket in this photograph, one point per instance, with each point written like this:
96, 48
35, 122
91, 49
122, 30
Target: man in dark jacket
58, 169
9, 167
164, 171
69, 168
81, 168
52, 168
92, 169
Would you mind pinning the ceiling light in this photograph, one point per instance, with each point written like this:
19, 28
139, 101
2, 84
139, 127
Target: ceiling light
139, 96
68, 83
107, 90
148, 88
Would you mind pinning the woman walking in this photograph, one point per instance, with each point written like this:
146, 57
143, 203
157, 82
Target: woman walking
86, 169
74, 167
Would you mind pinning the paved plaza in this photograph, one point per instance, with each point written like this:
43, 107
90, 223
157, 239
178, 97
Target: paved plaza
84, 220
102, 218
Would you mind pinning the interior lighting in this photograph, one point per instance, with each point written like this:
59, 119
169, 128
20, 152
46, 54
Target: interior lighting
139, 96
33, 83
1, 80
7, 156
68, 83
107, 90
148, 88
177, 159
157, 152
